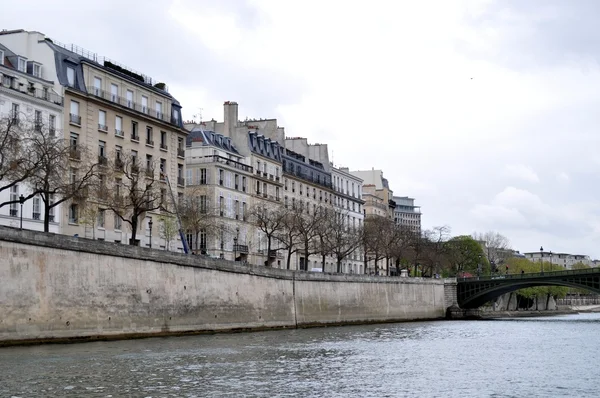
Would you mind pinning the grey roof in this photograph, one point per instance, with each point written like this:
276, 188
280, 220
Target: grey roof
263, 146
210, 138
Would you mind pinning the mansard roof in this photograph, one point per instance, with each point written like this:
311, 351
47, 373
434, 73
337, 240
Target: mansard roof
263, 146
210, 138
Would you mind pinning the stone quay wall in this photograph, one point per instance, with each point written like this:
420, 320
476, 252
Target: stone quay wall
56, 288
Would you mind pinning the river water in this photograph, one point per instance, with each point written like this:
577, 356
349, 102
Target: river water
532, 357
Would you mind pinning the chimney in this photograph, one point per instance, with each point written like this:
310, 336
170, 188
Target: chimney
231, 118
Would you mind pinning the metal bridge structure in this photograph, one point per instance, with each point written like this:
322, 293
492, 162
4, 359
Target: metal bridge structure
475, 291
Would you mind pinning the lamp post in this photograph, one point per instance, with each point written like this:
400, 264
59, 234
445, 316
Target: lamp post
21, 201
550, 255
478, 265
542, 258
150, 226
235, 243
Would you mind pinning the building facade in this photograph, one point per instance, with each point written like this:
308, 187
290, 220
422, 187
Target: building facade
113, 111
406, 214
28, 100
564, 260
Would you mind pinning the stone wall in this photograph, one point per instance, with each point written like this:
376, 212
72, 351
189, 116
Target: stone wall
55, 287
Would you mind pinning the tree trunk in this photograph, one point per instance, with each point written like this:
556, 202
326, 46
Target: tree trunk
134, 224
306, 255
548, 301
339, 265
289, 259
323, 262
269, 251
46, 217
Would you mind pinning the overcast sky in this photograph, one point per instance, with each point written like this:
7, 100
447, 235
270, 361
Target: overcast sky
485, 111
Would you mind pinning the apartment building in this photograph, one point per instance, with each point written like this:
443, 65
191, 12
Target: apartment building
251, 176
115, 111
379, 200
348, 202
406, 214
565, 260
28, 98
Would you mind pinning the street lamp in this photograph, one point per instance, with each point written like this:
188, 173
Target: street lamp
478, 265
150, 226
235, 243
21, 201
550, 255
542, 258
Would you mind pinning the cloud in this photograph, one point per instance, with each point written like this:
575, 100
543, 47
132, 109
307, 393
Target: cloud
521, 171
563, 177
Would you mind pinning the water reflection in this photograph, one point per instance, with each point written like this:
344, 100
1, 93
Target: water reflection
502, 358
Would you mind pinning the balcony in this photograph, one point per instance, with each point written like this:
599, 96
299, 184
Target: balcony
102, 127
149, 172
36, 216
74, 119
163, 146
272, 253
135, 137
135, 169
119, 133
149, 142
45, 95
14, 212
102, 160
52, 132
180, 152
221, 160
243, 249
75, 153
181, 181
119, 164
51, 218
128, 103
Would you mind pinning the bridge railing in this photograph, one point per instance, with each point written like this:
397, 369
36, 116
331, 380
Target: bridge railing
530, 275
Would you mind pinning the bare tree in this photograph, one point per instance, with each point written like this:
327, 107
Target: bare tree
342, 238
435, 253
136, 191
373, 238
66, 170
289, 236
16, 163
307, 225
199, 215
271, 221
495, 246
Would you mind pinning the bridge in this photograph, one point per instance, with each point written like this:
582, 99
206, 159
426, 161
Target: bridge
476, 291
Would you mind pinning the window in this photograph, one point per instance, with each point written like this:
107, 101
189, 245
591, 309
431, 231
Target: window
74, 115
74, 140
73, 175
220, 177
38, 120
243, 215
117, 222
158, 109
163, 140
244, 184
149, 163
101, 217
119, 126
180, 171
149, 139
277, 193
102, 121
163, 165
144, 104
134, 131
22, 66
15, 113
36, 208
97, 86
14, 196
114, 92
129, 98
52, 125
51, 210
74, 213
203, 204
37, 70
71, 76
203, 176
102, 149
188, 177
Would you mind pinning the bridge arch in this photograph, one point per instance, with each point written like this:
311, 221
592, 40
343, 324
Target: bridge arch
474, 292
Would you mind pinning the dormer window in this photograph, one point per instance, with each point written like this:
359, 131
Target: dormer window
22, 65
71, 76
37, 70
1, 57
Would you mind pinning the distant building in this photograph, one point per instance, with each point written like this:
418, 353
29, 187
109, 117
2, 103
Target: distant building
565, 260
406, 214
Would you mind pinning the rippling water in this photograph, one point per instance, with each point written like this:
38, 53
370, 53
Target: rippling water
534, 357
